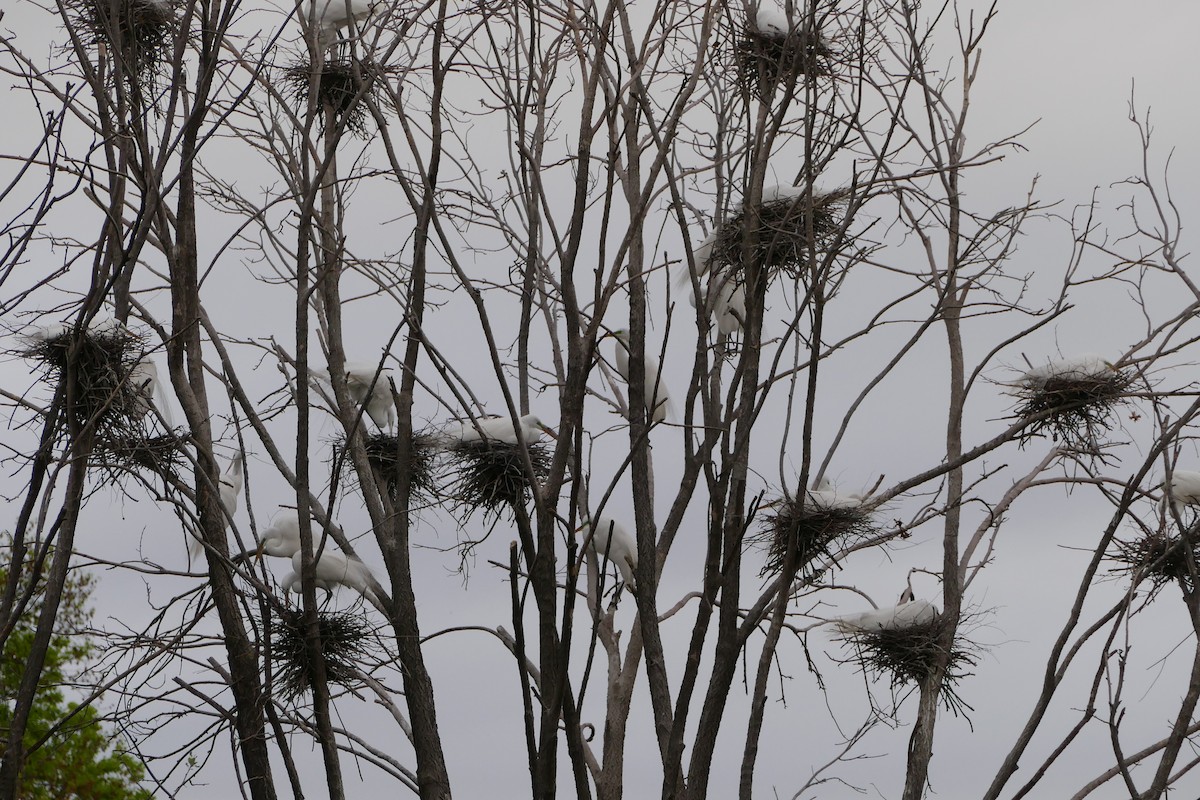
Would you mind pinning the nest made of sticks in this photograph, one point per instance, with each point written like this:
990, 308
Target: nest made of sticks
909, 655
766, 57
811, 529
346, 641
141, 33
1158, 557
421, 468
782, 243
340, 87
159, 455
490, 475
1075, 408
108, 389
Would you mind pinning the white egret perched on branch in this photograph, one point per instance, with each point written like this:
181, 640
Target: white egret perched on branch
370, 386
329, 15
529, 430
231, 483
282, 540
143, 379
610, 540
658, 401
724, 294
1183, 489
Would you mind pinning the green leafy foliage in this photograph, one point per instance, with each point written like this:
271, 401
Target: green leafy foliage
69, 754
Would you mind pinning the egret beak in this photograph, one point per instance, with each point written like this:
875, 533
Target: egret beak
549, 431
259, 552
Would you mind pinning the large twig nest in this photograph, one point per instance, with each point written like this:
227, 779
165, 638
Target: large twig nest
824, 521
1072, 400
421, 468
490, 475
1158, 558
344, 84
346, 641
792, 228
141, 33
115, 390
909, 654
772, 50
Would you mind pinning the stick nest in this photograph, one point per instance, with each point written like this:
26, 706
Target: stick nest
346, 640
811, 529
909, 656
422, 463
109, 392
1079, 408
338, 87
1158, 558
782, 244
490, 475
140, 33
768, 58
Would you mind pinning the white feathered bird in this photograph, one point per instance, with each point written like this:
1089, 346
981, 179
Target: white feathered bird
610, 539
231, 483
500, 429
373, 393
1184, 489
658, 401
826, 497
1087, 366
909, 613
143, 379
282, 540
330, 15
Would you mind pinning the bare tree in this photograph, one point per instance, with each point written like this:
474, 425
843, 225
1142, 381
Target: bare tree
630, 287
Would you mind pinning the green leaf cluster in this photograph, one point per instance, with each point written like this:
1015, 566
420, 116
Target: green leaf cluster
68, 753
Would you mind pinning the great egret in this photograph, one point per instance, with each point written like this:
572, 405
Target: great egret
909, 613
658, 401
826, 497
230, 485
728, 302
610, 540
529, 430
1088, 366
374, 393
333, 14
143, 379
282, 540
1184, 489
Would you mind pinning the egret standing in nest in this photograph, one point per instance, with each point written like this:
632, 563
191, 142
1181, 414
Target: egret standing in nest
529, 430
282, 540
658, 401
908, 613
609, 540
1086, 367
370, 386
